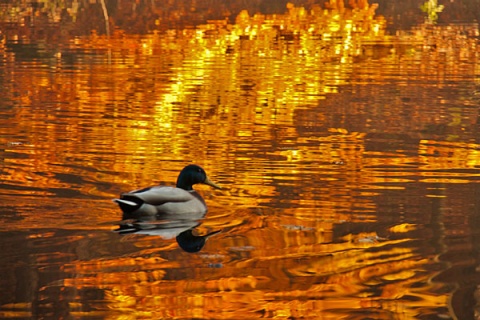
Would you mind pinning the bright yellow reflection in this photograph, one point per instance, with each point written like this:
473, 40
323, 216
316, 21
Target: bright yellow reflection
248, 101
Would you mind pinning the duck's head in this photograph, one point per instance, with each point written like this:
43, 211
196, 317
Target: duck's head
193, 174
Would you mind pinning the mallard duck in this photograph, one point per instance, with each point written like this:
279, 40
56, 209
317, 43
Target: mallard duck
161, 200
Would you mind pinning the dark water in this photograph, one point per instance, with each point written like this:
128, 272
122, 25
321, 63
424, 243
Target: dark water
349, 161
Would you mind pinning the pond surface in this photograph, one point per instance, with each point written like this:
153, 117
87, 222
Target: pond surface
349, 161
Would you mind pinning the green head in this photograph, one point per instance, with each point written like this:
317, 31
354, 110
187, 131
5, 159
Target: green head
193, 174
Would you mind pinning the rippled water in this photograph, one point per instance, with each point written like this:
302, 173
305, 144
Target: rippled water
350, 168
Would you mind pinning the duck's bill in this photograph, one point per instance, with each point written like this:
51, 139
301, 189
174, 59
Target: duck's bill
210, 183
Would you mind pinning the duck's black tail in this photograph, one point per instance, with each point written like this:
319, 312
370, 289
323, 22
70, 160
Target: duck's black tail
128, 205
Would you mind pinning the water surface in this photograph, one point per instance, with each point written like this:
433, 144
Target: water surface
349, 160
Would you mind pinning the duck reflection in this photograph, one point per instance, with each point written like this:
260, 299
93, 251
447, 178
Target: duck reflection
180, 227
190, 242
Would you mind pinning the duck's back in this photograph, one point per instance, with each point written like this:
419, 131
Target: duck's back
159, 195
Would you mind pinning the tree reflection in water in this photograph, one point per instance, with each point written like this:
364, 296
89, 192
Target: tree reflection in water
353, 149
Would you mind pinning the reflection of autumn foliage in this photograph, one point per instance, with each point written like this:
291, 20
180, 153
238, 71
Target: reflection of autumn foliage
311, 116
293, 274
314, 54
41, 19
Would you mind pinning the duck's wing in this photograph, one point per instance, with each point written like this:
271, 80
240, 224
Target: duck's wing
159, 195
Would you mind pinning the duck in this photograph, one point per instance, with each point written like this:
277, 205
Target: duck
163, 200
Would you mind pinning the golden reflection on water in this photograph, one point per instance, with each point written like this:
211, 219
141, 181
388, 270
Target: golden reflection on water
261, 105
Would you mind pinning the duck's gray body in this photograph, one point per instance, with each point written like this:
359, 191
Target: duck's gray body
161, 200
